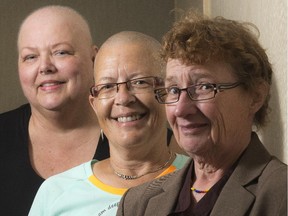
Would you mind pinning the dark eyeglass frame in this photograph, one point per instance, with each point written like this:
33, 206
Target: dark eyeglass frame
94, 90
216, 87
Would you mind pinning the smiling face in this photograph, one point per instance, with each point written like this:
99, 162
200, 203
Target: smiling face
128, 118
55, 60
222, 124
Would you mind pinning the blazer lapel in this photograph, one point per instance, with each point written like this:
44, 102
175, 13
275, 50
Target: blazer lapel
168, 195
235, 198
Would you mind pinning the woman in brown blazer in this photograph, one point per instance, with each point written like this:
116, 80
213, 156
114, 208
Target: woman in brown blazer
217, 85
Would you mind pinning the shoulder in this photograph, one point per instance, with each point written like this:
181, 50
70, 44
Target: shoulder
262, 161
23, 109
264, 176
14, 127
271, 189
275, 172
257, 163
63, 181
81, 171
59, 188
21, 113
180, 160
275, 165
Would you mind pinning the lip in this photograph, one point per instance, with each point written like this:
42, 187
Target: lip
192, 128
129, 117
50, 85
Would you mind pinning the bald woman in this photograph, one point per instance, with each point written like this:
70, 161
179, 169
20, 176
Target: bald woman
127, 70
58, 129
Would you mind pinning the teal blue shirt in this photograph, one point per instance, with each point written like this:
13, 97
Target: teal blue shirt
78, 192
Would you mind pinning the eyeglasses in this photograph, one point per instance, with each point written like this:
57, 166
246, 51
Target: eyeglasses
135, 86
198, 92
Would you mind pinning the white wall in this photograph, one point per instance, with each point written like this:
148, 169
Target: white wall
271, 19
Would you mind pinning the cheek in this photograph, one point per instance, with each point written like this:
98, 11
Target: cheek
80, 78
68, 67
170, 114
102, 108
160, 113
213, 112
27, 75
156, 111
226, 120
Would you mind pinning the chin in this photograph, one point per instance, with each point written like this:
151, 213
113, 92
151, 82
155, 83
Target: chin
51, 106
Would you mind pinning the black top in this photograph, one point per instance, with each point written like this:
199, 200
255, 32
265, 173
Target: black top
18, 180
186, 205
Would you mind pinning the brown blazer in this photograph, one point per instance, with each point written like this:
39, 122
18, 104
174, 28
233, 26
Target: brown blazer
257, 187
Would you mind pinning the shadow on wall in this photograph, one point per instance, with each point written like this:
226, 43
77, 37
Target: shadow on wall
273, 134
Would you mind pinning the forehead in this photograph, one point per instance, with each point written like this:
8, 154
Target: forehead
126, 59
41, 29
213, 70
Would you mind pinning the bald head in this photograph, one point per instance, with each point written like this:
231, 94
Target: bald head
134, 38
145, 48
60, 15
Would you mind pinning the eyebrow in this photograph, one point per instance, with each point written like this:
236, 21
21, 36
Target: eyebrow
53, 46
106, 79
133, 75
170, 79
196, 76
62, 43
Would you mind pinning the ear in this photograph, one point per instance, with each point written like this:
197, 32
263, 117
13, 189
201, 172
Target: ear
94, 52
92, 103
259, 96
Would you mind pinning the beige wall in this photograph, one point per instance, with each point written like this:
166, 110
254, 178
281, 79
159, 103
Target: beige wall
104, 16
271, 19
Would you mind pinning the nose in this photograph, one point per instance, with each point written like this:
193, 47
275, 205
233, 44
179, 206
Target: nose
46, 65
185, 105
124, 96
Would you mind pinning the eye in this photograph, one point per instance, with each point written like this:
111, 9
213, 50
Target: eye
62, 52
139, 82
205, 87
173, 90
142, 83
106, 87
29, 57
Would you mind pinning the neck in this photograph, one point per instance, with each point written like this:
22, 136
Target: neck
52, 129
64, 119
133, 177
140, 166
219, 160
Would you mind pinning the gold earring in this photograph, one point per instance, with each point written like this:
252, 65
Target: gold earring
101, 134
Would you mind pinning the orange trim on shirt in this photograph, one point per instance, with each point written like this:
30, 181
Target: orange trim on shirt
120, 191
95, 181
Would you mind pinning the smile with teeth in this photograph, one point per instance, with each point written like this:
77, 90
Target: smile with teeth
128, 118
